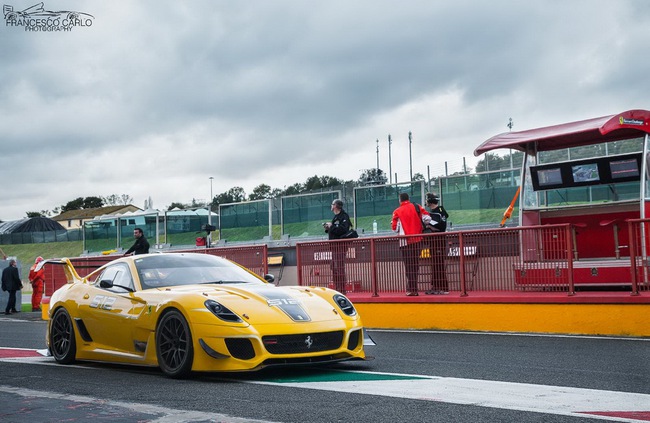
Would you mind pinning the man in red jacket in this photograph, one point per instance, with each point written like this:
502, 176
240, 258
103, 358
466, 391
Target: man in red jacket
37, 278
407, 219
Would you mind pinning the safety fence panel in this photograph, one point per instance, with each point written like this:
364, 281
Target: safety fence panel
517, 259
374, 205
245, 221
254, 258
184, 229
148, 223
304, 214
100, 236
639, 236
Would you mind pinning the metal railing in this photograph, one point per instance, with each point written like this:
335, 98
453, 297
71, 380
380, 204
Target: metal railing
504, 259
639, 238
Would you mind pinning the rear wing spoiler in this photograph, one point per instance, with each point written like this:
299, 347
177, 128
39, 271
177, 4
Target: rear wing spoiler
70, 272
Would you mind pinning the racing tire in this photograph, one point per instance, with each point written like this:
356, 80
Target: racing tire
63, 344
174, 347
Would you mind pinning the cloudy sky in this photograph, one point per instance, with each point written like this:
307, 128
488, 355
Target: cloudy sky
151, 98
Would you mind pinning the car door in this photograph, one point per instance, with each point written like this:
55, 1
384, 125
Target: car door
109, 314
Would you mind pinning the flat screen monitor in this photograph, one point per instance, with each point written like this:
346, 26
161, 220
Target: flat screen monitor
628, 168
587, 172
552, 176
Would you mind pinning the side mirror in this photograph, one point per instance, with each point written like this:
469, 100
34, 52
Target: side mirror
106, 283
269, 278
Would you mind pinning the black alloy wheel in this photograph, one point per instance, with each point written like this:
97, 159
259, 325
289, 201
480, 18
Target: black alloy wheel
63, 345
174, 345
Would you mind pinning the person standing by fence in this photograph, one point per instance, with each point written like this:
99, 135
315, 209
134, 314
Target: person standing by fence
336, 229
140, 246
437, 246
407, 221
37, 279
11, 283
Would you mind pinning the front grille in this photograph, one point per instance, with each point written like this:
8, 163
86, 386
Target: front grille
305, 343
297, 361
353, 342
241, 348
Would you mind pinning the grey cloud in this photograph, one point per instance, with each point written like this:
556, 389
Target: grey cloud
240, 90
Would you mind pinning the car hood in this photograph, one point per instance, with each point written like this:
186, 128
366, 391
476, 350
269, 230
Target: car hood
268, 304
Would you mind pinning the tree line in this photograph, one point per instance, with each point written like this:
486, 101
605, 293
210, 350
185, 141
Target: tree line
80, 203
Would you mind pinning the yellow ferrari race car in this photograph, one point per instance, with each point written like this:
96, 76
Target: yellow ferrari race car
189, 312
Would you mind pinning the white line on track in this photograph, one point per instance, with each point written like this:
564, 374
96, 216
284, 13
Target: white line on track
160, 414
568, 401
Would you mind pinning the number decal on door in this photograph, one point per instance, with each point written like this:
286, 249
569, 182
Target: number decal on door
103, 302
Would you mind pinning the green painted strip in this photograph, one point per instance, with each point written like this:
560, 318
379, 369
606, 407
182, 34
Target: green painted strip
339, 376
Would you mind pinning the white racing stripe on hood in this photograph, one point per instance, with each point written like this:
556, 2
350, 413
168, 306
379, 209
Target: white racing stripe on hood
289, 305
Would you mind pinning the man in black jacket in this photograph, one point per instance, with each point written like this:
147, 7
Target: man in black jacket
140, 246
339, 226
437, 247
11, 283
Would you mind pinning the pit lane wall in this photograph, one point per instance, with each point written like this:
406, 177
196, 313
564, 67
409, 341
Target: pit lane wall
583, 319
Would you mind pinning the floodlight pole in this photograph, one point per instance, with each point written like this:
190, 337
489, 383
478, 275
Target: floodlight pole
377, 153
510, 125
390, 164
410, 157
209, 237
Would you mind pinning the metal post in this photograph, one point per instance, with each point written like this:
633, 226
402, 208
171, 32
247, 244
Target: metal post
373, 276
461, 265
118, 222
165, 223
298, 264
271, 219
633, 253
157, 229
569, 256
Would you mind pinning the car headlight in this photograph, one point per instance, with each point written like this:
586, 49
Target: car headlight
222, 312
345, 305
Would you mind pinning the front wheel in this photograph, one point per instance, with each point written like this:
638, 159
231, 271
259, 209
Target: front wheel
174, 345
62, 340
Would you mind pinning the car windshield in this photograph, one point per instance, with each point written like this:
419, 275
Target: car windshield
187, 269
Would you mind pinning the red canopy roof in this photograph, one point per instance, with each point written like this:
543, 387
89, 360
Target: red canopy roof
629, 124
